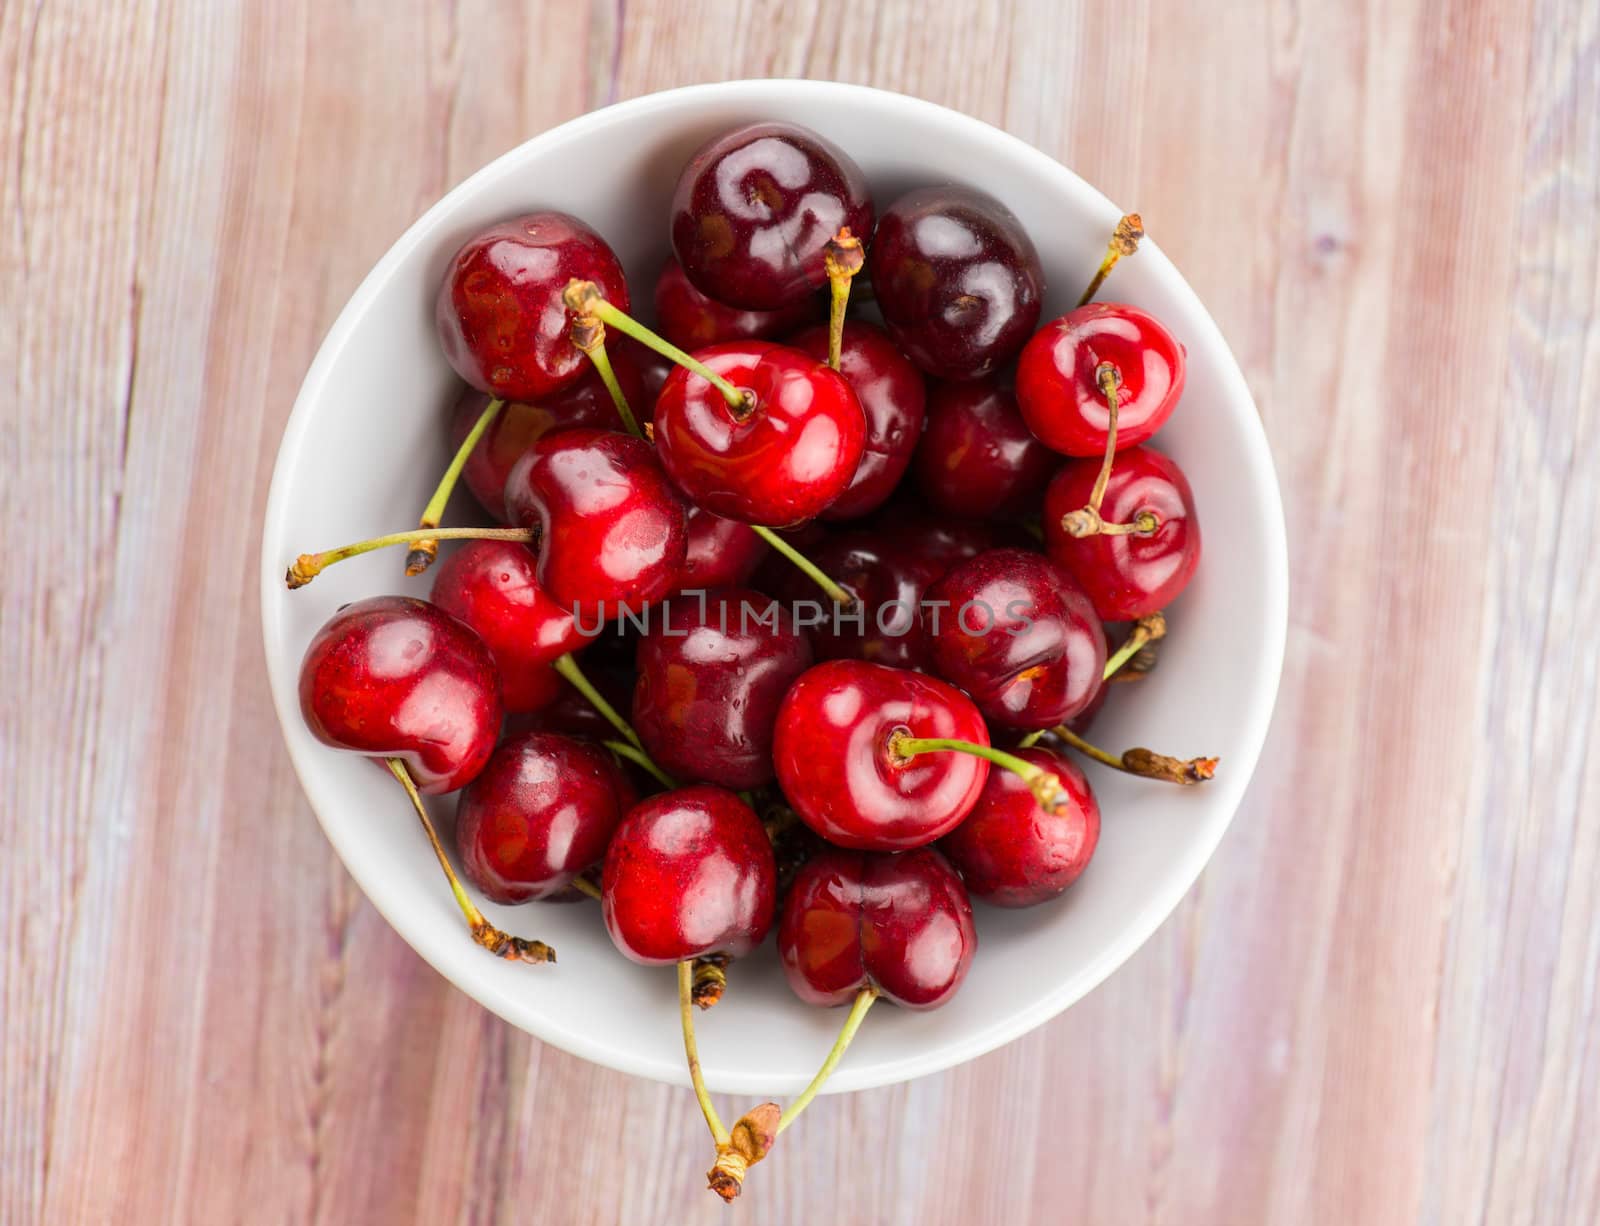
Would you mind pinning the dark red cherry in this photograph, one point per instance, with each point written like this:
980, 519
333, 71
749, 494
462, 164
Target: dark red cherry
1010, 852
782, 458
690, 320
902, 924
957, 279
540, 813
720, 552
501, 320
611, 528
886, 571
514, 429
1016, 632
892, 396
754, 208
838, 767
977, 457
490, 585
394, 677
1058, 389
571, 714
1127, 575
712, 671
688, 872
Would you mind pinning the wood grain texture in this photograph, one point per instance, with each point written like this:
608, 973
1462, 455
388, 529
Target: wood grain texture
1379, 1004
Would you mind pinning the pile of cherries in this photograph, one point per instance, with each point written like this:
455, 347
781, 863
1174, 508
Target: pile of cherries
852, 583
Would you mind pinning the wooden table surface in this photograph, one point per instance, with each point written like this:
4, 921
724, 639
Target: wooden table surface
1382, 1001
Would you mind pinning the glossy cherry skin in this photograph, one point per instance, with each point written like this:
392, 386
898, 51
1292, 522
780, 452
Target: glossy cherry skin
754, 208
394, 677
958, 280
514, 429
1130, 575
611, 528
688, 872
893, 397
502, 323
977, 457
791, 455
902, 924
1010, 852
690, 320
1059, 393
831, 747
490, 585
886, 571
1016, 632
538, 814
720, 552
712, 671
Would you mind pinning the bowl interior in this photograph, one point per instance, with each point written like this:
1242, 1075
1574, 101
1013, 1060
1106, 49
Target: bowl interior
365, 444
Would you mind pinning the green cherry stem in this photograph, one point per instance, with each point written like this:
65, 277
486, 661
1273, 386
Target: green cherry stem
640, 759
589, 335
691, 1053
501, 944
568, 668
586, 887
424, 552
1086, 520
813, 572
842, 258
309, 565
852, 1023
583, 298
1124, 241
1044, 784
1145, 763
1148, 629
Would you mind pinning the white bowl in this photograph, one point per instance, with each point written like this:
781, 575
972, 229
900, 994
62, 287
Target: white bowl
366, 442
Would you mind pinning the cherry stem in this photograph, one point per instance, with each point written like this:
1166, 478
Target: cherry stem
1124, 241
842, 257
568, 668
1145, 763
814, 572
710, 980
1045, 784
1148, 629
847, 1032
583, 298
640, 759
504, 945
309, 565
691, 1052
584, 886
424, 552
1086, 520
589, 335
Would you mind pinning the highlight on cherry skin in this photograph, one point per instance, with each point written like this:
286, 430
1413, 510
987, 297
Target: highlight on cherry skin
614, 674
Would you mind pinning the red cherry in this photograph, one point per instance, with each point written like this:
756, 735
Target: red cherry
1059, 392
886, 569
1018, 634
1010, 851
394, 677
688, 872
957, 279
720, 552
1127, 575
901, 924
490, 585
892, 396
540, 813
754, 209
610, 528
690, 320
711, 674
838, 767
514, 429
784, 457
501, 319
977, 457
